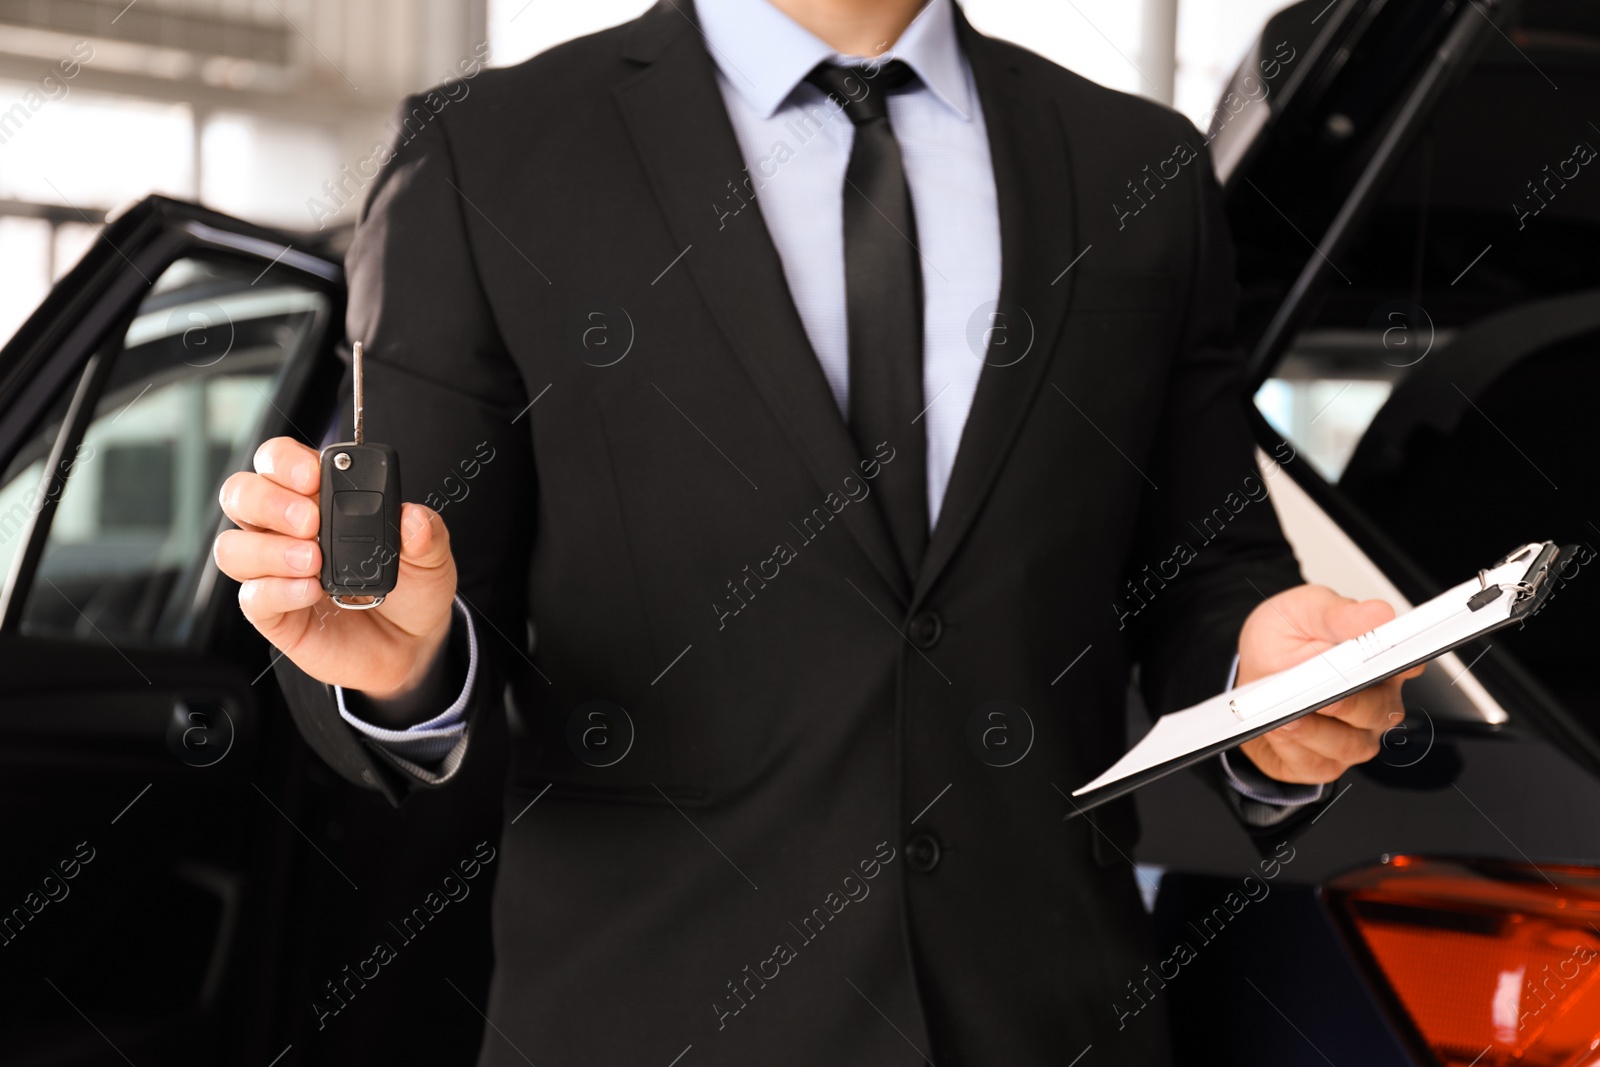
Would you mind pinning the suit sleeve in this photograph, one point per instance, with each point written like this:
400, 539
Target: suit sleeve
1210, 520
442, 389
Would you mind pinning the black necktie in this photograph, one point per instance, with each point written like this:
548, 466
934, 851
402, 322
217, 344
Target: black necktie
883, 300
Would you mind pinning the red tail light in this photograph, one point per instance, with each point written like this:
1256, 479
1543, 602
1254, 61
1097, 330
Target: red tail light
1484, 963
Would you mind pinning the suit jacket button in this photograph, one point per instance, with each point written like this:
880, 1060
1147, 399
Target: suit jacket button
922, 852
925, 629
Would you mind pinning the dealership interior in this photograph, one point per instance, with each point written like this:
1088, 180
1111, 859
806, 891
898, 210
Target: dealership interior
1413, 237
260, 108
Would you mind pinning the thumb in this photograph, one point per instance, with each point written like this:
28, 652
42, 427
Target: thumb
424, 540
1351, 618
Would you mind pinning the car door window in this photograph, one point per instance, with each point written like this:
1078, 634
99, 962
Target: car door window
22, 492
182, 406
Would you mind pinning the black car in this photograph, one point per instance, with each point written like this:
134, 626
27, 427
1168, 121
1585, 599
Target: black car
1417, 228
1411, 189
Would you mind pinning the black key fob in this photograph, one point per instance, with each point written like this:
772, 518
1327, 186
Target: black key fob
360, 536
360, 501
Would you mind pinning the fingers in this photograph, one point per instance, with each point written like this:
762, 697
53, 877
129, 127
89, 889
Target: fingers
1375, 708
1333, 740
281, 495
254, 500
288, 463
265, 601
1378, 707
1321, 747
1284, 760
243, 555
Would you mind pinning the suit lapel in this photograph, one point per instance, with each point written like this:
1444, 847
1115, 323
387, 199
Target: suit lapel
1033, 183
679, 126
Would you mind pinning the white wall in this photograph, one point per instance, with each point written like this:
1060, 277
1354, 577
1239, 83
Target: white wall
261, 142
1099, 39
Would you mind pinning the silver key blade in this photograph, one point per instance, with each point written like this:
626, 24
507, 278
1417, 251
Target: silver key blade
355, 361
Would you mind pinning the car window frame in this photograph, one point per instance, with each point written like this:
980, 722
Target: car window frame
73, 340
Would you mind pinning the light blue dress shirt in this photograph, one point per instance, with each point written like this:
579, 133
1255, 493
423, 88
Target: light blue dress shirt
796, 145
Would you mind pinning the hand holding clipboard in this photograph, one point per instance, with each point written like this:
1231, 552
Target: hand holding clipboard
1501, 594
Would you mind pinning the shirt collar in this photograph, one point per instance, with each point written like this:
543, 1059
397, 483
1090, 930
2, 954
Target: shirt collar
764, 53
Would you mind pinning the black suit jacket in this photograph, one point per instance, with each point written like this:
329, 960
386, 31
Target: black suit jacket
806, 844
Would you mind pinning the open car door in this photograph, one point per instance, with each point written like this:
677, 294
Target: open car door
181, 878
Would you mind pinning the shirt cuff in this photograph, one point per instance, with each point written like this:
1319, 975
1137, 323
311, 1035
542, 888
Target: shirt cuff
1248, 781
426, 742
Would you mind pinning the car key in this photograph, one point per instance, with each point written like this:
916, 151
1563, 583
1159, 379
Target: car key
360, 536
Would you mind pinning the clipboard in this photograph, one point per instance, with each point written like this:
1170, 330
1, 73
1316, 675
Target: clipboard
1505, 592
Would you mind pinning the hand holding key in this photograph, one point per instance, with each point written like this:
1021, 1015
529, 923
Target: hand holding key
274, 554
383, 651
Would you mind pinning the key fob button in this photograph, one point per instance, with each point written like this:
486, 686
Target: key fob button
354, 565
357, 503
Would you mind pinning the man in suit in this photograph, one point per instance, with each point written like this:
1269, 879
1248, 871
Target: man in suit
833, 454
